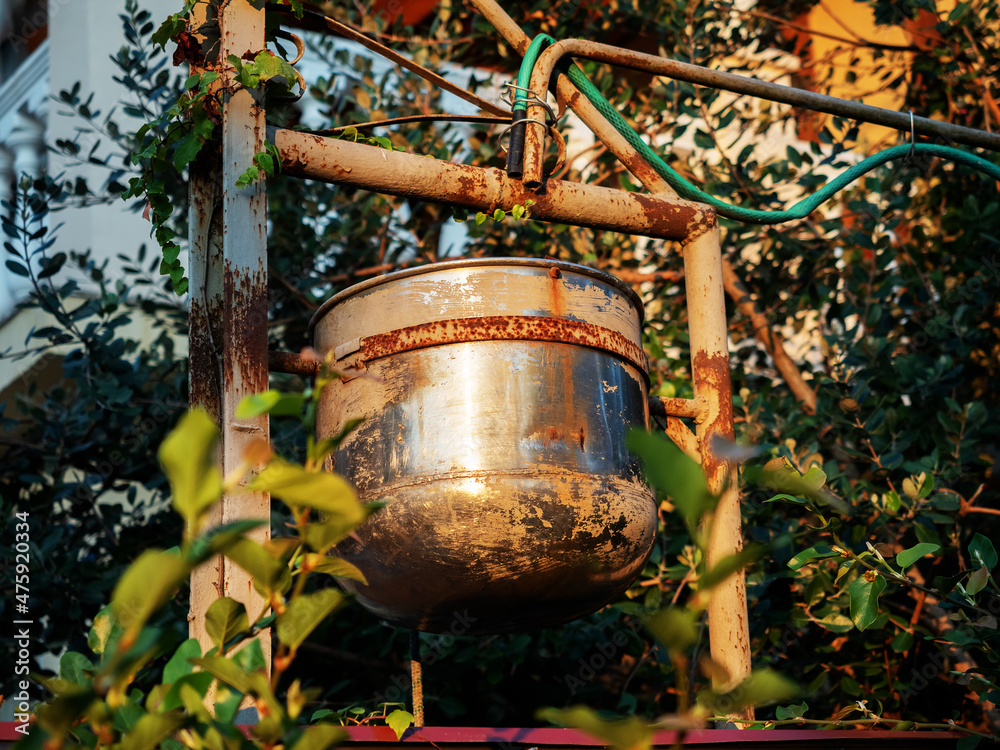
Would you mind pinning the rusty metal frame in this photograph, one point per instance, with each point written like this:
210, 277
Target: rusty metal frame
695, 225
229, 290
718, 79
487, 189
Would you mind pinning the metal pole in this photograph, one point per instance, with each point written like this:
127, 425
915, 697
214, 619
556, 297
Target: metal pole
204, 341
486, 189
568, 95
229, 311
718, 79
728, 628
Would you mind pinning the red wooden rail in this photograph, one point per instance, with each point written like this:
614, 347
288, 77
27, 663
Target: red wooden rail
487, 738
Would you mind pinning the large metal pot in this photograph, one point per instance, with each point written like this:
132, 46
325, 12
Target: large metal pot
496, 396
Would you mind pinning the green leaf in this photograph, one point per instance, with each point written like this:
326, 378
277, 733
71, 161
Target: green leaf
73, 667
295, 486
225, 670
268, 66
631, 733
673, 473
320, 737
225, 619
334, 566
977, 581
265, 161
188, 459
58, 715
17, 269
227, 703
220, 538
186, 150
249, 177
907, 557
399, 721
480, 218
810, 485
178, 666
817, 552
674, 627
517, 212
322, 535
762, 687
864, 595
200, 682
902, 642
271, 402
791, 712
269, 574
982, 552
304, 614
499, 214
105, 631
835, 622
150, 730
250, 658
961, 637
148, 583
729, 565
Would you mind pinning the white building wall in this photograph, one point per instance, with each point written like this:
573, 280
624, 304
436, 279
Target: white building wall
82, 37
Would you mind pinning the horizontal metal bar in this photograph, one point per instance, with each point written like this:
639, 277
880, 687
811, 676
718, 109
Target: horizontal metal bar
718, 79
291, 363
487, 189
674, 407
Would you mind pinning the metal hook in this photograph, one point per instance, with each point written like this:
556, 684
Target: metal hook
529, 97
506, 130
913, 138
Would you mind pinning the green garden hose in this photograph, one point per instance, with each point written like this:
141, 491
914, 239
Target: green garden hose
690, 192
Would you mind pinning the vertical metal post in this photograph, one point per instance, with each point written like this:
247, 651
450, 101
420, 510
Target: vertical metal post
728, 628
229, 306
205, 340
244, 286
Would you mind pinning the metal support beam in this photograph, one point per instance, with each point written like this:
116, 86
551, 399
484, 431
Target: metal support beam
728, 626
229, 308
479, 189
204, 341
717, 79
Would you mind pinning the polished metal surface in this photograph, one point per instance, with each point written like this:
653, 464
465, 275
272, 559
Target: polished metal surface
498, 447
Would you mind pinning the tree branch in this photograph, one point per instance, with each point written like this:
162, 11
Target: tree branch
772, 341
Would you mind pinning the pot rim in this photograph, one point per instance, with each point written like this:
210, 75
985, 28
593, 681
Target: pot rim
562, 265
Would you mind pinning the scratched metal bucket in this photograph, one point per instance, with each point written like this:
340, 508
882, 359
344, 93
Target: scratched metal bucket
496, 397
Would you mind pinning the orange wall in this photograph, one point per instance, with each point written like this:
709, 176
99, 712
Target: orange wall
852, 20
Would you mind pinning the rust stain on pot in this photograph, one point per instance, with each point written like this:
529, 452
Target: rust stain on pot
502, 328
558, 298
